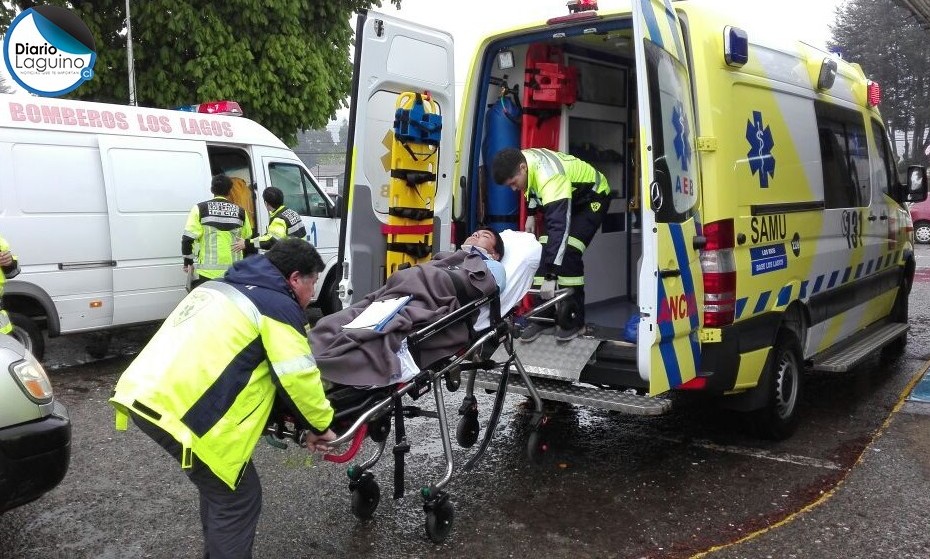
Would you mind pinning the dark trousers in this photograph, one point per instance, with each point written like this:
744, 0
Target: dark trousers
586, 220
229, 516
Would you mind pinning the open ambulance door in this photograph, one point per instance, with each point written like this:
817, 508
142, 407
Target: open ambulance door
392, 56
670, 279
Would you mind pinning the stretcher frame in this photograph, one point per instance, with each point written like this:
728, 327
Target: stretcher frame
373, 415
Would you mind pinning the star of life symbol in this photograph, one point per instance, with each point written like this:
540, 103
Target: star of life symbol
761, 143
682, 143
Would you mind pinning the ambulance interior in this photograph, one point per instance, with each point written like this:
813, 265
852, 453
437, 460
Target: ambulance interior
580, 100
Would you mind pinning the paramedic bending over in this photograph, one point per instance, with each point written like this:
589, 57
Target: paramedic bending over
575, 197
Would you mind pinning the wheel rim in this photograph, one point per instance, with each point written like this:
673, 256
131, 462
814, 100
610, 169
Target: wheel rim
922, 233
786, 385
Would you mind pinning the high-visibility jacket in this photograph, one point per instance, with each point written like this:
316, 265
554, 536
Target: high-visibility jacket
561, 183
214, 225
212, 372
6, 272
283, 222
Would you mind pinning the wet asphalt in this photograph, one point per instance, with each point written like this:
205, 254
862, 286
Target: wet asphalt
852, 482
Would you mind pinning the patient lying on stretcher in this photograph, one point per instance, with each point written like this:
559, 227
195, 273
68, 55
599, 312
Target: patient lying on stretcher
486, 263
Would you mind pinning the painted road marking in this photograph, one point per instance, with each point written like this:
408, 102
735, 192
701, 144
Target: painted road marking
750, 452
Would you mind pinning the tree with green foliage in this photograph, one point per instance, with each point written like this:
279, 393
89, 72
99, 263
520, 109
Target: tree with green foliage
891, 47
286, 62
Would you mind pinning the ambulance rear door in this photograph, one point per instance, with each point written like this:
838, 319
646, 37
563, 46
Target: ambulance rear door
392, 56
670, 278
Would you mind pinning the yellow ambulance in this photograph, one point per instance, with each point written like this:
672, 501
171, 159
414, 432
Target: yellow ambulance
756, 226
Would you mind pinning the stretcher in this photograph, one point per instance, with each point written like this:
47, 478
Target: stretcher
373, 412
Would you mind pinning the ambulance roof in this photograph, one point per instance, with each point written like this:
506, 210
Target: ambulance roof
43, 113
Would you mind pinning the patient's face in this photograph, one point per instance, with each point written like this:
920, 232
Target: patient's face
484, 239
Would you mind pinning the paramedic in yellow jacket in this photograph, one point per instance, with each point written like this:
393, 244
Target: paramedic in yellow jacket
283, 222
574, 197
9, 268
204, 386
218, 228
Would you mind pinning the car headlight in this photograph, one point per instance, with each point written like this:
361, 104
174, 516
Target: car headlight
31, 377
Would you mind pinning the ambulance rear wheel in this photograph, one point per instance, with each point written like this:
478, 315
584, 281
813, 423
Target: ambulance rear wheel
779, 418
27, 332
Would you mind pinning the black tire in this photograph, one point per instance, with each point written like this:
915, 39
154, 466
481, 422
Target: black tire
537, 447
365, 498
898, 314
329, 301
439, 521
779, 418
28, 333
466, 432
99, 345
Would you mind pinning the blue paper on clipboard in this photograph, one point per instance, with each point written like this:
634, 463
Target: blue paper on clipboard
378, 314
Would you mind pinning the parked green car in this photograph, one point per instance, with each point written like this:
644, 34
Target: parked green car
35, 430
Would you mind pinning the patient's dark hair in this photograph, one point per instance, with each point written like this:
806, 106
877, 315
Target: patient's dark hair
498, 242
295, 255
506, 164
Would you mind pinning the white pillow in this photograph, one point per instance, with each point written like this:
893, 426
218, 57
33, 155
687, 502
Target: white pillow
521, 259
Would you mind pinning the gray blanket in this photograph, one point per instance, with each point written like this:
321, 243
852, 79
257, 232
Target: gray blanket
361, 357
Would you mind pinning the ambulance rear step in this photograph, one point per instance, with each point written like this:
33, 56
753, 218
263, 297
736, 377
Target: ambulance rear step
563, 391
846, 355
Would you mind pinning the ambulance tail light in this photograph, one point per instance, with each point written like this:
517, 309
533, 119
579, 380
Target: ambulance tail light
873, 94
718, 264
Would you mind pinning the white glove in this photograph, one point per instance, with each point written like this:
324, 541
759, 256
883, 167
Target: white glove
547, 290
530, 225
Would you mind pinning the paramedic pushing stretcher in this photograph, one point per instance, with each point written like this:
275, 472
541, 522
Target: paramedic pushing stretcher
575, 197
204, 386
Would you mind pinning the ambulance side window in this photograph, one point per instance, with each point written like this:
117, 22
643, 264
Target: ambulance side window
300, 192
844, 155
884, 174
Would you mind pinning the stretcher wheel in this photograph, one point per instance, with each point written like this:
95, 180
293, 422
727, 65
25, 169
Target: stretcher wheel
536, 446
439, 518
466, 432
366, 495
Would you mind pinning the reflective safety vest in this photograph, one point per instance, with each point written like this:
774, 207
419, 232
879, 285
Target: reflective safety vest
283, 222
6, 272
214, 225
212, 372
563, 184
553, 176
